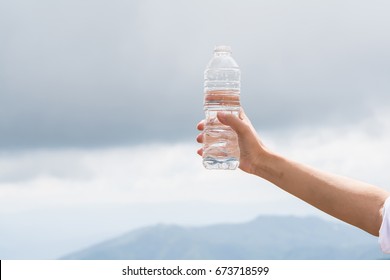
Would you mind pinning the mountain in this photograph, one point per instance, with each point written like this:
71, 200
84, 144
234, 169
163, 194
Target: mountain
266, 237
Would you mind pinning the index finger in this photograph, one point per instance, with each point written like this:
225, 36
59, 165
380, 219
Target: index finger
200, 125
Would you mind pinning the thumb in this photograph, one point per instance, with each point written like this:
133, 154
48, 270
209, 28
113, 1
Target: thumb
232, 120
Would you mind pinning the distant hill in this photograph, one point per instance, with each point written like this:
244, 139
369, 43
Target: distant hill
267, 237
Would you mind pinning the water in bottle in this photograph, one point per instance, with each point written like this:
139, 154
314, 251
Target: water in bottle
221, 93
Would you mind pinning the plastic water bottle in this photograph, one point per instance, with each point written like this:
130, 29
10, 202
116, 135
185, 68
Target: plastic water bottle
221, 93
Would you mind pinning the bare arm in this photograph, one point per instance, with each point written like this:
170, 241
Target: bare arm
354, 202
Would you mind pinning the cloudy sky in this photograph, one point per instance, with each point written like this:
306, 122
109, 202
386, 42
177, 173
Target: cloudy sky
99, 102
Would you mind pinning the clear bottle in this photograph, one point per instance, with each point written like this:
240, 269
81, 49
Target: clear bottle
221, 93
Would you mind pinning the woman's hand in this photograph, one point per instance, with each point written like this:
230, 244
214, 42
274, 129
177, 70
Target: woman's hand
252, 149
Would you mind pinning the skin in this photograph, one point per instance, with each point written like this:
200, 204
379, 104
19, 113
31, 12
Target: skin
357, 203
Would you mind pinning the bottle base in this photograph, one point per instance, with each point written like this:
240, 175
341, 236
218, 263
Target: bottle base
221, 164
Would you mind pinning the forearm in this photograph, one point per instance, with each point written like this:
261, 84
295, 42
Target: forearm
354, 202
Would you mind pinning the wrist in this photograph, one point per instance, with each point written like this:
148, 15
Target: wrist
267, 166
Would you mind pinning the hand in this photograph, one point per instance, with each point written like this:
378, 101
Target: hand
252, 150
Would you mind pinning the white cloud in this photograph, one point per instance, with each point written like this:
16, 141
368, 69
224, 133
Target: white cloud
142, 174
358, 150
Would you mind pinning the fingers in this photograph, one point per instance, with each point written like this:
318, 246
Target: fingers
200, 151
200, 125
199, 138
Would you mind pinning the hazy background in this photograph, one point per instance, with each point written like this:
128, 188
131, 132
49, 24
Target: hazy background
99, 102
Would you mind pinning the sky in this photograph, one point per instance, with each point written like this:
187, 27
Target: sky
99, 102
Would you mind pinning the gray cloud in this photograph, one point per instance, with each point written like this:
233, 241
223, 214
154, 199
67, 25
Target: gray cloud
98, 73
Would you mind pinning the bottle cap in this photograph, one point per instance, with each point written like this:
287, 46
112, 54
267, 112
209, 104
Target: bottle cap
222, 48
